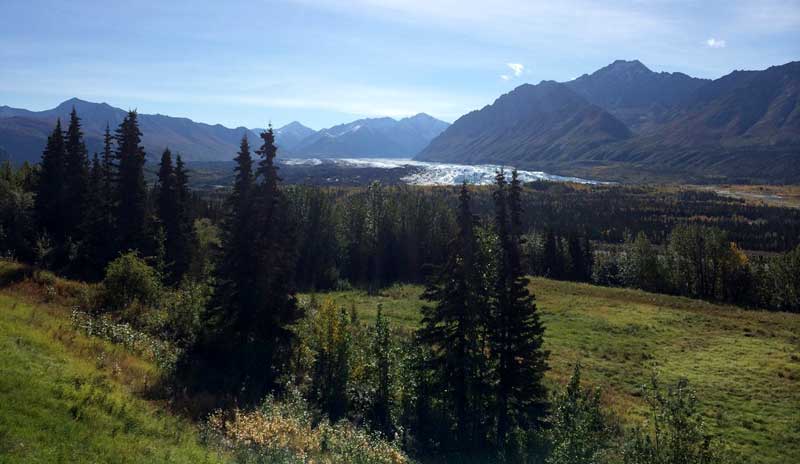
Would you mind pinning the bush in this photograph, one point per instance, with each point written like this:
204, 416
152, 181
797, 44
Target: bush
128, 280
676, 433
285, 431
184, 308
579, 429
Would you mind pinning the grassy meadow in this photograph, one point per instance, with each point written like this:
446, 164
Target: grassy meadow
744, 365
68, 397
65, 397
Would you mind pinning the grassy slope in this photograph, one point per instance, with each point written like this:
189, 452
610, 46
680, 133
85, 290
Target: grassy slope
68, 398
745, 365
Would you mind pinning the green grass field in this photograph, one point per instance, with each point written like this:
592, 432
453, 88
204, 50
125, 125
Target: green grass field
744, 365
65, 397
69, 398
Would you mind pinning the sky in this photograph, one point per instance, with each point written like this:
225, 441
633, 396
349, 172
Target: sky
325, 62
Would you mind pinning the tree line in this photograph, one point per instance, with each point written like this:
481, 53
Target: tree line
74, 214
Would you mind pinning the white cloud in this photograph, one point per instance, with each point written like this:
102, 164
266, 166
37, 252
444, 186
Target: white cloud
715, 43
516, 68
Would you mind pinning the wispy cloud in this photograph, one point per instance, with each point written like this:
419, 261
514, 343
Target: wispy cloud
715, 43
516, 70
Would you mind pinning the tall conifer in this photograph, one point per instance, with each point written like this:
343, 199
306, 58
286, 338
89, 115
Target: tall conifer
451, 328
51, 194
515, 339
184, 235
131, 189
249, 337
274, 251
76, 166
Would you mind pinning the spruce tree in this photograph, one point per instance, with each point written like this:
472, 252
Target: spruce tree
96, 242
181, 248
551, 256
51, 194
516, 335
249, 338
167, 208
109, 168
451, 328
76, 167
235, 272
131, 190
277, 310
236, 269
166, 198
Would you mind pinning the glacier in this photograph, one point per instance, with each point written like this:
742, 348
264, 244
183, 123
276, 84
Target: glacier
432, 173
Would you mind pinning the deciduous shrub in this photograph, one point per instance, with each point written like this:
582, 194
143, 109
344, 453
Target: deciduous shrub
129, 279
285, 432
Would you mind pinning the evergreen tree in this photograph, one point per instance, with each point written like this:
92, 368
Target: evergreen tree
236, 270
100, 240
222, 349
95, 243
516, 335
166, 198
276, 310
551, 256
131, 190
76, 167
451, 328
109, 169
51, 194
579, 266
181, 248
249, 339
167, 208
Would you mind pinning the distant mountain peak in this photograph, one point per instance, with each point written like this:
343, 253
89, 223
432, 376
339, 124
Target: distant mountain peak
624, 67
75, 101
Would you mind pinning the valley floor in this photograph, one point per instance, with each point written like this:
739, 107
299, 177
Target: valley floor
744, 365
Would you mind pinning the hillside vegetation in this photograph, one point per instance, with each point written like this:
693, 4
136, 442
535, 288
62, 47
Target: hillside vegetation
744, 365
66, 397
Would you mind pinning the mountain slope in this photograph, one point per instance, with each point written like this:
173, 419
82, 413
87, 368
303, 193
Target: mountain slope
634, 94
23, 133
376, 137
290, 135
742, 127
532, 123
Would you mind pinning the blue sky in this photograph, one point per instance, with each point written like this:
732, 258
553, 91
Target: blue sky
324, 62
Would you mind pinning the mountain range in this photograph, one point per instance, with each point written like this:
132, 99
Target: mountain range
621, 122
625, 121
377, 137
23, 134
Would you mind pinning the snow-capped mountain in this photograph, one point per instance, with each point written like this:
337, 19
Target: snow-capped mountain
381, 137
